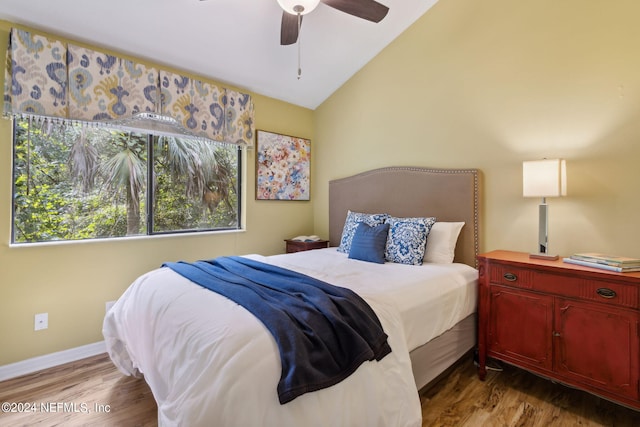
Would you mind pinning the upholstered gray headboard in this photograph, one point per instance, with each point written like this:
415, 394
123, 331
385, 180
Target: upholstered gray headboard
447, 194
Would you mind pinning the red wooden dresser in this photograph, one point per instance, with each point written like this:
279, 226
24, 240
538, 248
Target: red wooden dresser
576, 325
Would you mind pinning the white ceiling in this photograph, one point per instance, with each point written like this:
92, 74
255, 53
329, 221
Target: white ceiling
236, 42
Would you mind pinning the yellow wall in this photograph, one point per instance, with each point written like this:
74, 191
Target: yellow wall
488, 84
73, 281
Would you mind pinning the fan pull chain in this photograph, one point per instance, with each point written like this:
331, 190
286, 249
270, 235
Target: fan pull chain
299, 25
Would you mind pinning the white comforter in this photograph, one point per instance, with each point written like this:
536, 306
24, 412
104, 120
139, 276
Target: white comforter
431, 298
209, 362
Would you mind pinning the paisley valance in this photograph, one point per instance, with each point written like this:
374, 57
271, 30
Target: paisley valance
45, 77
104, 87
197, 105
35, 76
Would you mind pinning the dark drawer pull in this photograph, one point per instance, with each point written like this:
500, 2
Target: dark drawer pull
510, 277
606, 293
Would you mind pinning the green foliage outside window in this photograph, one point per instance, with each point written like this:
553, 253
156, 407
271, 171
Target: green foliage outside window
74, 182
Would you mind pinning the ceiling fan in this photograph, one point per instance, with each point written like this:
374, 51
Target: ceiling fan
294, 9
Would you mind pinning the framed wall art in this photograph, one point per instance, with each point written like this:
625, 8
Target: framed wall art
282, 167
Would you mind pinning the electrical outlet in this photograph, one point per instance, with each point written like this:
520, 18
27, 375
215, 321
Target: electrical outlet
108, 305
41, 321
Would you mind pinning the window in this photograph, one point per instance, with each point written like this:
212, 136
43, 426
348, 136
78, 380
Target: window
73, 182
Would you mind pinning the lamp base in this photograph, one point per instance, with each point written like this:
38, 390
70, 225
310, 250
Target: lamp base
541, 255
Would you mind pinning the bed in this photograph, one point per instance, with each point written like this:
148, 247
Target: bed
210, 362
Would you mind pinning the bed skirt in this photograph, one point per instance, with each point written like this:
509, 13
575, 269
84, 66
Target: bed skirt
433, 358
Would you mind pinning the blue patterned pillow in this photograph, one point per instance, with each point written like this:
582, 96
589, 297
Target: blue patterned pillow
351, 223
369, 243
407, 239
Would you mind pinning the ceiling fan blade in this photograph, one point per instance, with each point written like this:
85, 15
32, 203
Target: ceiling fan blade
289, 28
366, 9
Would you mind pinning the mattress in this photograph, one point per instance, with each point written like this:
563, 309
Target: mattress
210, 362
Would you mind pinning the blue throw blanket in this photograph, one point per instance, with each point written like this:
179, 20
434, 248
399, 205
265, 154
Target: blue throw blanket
324, 332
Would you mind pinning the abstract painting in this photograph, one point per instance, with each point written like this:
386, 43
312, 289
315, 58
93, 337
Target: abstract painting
282, 167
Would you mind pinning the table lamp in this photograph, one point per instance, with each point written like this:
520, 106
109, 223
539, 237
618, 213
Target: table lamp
544, 178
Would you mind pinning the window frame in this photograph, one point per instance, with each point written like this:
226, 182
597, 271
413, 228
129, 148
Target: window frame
149, 193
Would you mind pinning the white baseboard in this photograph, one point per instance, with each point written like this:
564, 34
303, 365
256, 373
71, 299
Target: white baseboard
50, 360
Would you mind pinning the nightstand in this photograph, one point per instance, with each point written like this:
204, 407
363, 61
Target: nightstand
576, 325
300, 245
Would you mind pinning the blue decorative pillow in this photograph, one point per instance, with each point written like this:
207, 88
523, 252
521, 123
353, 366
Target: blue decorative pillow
407, 239
369, 243
351, 223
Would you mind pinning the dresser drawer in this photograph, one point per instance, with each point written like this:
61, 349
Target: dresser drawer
589, 289
566, 285
509, 275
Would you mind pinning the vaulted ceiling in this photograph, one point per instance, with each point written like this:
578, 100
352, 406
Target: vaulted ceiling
236, 42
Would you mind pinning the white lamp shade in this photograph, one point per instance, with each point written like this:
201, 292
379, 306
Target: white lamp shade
307, 5
544, 178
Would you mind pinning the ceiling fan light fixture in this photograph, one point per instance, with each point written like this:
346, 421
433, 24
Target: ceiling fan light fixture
301, 7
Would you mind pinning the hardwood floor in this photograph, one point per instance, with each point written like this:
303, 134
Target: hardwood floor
513, 398
91, 392
95, 392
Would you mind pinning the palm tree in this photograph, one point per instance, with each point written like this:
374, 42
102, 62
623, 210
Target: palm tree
197, 163
127, 170
122, 169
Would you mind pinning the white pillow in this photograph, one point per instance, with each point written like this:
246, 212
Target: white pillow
441, 244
